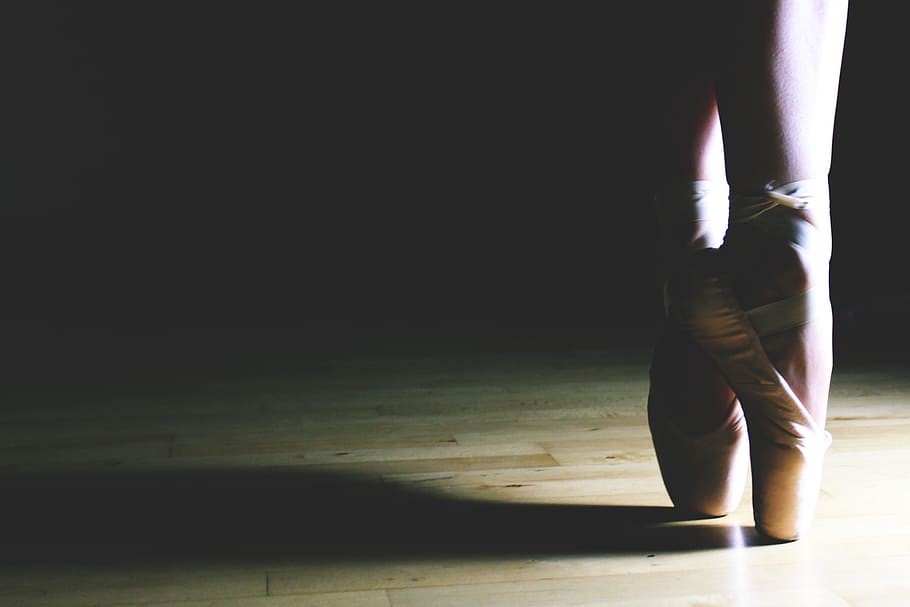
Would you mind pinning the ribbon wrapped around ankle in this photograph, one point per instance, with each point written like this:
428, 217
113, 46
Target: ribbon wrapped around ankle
804, 195
797, 195
694, 201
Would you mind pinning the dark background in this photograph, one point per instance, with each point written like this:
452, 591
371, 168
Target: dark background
192, 175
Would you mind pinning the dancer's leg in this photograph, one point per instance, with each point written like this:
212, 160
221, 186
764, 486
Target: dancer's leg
696, 422
687, 145
684, 136
777, 95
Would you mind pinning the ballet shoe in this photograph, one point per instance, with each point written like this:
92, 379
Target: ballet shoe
787, 446
706, 473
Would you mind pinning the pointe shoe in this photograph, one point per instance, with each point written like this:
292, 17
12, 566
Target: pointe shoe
704, 473
787, 445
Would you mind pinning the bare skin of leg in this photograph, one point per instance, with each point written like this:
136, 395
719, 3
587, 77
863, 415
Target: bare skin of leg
691, 149
777, 97
688, 147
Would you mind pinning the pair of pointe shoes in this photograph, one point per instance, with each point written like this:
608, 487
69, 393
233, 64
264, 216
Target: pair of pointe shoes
767, 423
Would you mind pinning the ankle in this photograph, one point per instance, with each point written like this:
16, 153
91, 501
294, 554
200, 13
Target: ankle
780, 240
798, 212
691, 216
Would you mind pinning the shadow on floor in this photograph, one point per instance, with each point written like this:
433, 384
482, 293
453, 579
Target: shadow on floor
317, 516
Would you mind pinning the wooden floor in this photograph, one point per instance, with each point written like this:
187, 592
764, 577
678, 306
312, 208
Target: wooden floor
434, 477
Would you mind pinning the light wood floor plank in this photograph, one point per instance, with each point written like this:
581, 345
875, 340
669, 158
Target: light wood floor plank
733, 585
377, 598
138, 588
